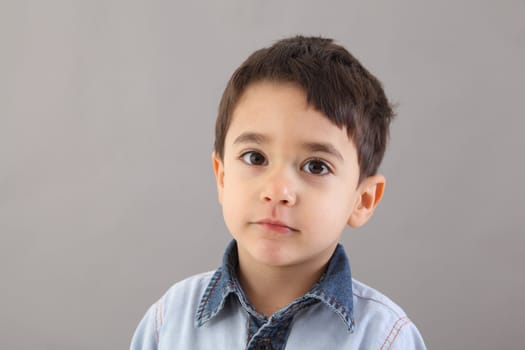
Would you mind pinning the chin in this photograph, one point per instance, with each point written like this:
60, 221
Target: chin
274, 257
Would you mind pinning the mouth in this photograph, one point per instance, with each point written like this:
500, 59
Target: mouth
276, 226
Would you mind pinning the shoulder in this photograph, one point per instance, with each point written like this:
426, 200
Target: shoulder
175, 307
375, 312
187, 290
190, 284
371, 299
180, 301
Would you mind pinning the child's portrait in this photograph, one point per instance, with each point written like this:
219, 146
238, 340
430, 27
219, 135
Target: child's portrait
261, 175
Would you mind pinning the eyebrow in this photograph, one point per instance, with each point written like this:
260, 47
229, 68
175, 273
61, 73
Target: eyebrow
251, 137
323, 148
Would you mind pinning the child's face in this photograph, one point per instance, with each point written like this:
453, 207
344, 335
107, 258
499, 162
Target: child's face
288, 182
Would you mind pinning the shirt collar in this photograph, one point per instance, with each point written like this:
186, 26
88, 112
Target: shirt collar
334, 288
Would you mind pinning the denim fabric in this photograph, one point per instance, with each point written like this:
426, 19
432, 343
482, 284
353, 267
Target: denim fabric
211, 311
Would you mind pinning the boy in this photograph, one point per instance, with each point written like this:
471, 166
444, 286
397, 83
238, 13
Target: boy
301, 131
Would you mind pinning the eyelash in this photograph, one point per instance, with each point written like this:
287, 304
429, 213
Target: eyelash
326, 167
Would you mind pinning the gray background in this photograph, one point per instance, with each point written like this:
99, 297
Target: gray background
107, 194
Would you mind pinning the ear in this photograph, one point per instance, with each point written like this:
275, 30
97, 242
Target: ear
370, 192
218, 169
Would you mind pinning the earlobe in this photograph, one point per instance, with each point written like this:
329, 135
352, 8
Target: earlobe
370, 192
218, 169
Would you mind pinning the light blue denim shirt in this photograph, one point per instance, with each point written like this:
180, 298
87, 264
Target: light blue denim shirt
211, 311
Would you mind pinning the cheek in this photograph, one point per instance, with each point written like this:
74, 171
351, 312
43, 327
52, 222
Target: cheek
231, 212
234, 197
331, 210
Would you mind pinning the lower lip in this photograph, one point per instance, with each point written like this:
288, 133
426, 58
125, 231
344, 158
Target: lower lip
276, 228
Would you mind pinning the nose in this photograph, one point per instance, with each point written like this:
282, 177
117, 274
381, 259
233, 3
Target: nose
279, 188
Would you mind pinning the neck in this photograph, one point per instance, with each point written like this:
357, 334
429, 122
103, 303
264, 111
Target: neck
270, 288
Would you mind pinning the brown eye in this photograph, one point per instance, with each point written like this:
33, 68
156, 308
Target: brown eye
253, 158
316, 167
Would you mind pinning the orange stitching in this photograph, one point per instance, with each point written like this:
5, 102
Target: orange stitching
392, 330
407, 321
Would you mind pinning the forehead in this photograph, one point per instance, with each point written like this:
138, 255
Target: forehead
280, 112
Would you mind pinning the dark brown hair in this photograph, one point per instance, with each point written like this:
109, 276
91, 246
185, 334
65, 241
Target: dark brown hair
335, 83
